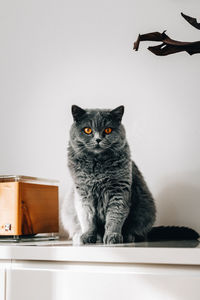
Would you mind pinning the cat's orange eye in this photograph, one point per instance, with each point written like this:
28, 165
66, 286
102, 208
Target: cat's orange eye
108, 130
87, 130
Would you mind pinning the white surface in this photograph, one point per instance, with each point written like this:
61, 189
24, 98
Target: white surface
63, 251
58, 53
2, 284
109, 282
4, 265
57, 270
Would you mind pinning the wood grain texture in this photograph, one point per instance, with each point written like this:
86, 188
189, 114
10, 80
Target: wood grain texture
29, 208
39, 208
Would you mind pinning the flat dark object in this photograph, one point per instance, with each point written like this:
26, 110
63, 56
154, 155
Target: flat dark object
168, 45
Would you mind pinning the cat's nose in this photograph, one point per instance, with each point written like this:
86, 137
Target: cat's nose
98, 140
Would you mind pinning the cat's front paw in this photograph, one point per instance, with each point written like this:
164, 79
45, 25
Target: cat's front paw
112, 238
88, 238
129, 238
77, 239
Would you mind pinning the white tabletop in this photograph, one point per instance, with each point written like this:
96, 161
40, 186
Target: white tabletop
176, 252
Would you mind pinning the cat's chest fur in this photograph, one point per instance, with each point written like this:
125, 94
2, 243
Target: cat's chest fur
96, 171
92, 172
92, 177
95, 177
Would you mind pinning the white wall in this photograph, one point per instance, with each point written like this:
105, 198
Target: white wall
57, 53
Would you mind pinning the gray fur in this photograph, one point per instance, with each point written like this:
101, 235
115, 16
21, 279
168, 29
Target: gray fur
115, 202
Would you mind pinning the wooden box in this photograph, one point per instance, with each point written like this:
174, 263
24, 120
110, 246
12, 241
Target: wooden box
28, 205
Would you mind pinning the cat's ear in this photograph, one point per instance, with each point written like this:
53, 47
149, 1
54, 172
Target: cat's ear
117, 113
77, 112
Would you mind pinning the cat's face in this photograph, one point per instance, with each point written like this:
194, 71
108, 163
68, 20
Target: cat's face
97, 130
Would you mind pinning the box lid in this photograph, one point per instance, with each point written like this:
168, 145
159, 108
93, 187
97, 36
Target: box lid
28, 179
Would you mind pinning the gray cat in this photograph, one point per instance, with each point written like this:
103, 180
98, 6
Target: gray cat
110, 200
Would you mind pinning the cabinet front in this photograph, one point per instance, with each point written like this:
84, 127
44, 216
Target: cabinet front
2, 282
103, 283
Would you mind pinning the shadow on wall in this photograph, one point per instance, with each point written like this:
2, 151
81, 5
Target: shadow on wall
179, 204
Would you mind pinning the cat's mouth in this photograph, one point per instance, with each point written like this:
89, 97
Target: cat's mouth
97, 148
